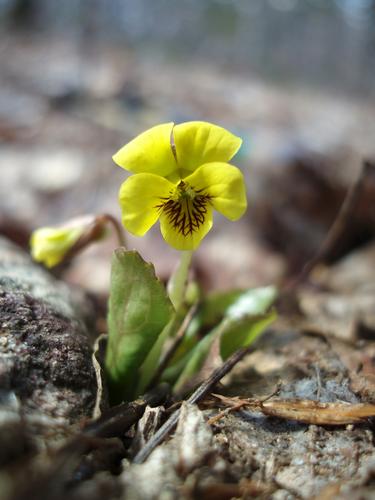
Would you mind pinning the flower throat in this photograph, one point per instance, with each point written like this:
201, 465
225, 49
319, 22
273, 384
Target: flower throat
185, 209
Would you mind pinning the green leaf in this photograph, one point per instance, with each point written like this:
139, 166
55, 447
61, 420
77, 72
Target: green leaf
190, 339
254, 302
210, 313
246, 315
217, 306
242, 333
151, 363
172, 372
139, 309
246, 318
195, 361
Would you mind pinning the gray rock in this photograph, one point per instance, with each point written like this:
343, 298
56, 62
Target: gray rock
46, 370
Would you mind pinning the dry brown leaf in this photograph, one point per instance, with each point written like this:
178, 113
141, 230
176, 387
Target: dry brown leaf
303, 410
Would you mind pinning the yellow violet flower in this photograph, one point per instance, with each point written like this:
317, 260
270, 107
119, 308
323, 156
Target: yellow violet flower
181, 174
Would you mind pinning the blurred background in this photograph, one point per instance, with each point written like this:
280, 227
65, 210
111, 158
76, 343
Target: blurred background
294, 78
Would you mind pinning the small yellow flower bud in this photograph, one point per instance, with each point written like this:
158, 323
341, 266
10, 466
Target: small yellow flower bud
52, 245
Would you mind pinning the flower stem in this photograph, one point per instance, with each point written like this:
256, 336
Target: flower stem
178, 281
116, 226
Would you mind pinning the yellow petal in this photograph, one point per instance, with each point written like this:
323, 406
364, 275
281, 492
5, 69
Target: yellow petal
225, 185
139, 198
149, 152
49, 245
185, 240
202, 142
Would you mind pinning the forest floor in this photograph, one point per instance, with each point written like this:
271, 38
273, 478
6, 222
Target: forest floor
63, 113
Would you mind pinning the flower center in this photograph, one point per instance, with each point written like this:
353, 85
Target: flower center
186, 208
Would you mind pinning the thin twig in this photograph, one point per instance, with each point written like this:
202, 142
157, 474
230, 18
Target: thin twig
164, 360
339, 225
117, 420
241, 403
199, 394
225, 412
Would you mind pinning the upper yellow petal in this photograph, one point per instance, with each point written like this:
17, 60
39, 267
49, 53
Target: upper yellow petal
225, 185
202, 142
149, 152
139, 198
